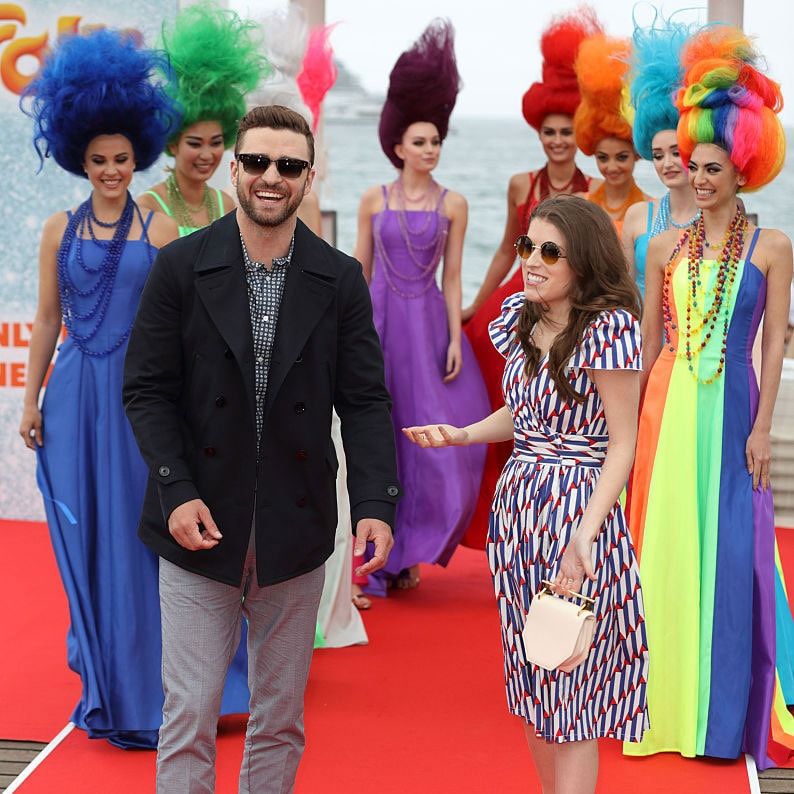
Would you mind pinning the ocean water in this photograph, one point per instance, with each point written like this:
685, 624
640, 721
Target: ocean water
477, 160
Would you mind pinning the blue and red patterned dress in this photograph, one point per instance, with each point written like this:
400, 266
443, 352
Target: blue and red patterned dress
560, 446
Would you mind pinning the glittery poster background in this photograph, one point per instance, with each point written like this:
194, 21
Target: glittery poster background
26, 200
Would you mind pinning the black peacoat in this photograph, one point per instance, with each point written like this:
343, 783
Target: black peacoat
189, 396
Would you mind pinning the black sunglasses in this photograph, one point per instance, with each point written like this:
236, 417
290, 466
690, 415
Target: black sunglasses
549, 252
257, 164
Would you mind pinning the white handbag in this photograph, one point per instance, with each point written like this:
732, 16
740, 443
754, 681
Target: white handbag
558, 634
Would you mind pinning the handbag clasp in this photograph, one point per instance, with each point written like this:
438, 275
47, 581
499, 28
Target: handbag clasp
587, 604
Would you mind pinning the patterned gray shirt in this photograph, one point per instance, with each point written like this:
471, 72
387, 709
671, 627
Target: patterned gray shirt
265, 289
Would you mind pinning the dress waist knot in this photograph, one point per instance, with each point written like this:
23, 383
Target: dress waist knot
560, 449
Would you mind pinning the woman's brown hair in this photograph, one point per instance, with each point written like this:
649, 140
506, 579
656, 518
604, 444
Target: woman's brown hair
602, 283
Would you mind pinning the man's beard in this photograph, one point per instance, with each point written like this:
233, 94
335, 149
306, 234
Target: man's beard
269, 221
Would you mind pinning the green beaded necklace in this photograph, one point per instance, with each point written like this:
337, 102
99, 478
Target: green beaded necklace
183, 214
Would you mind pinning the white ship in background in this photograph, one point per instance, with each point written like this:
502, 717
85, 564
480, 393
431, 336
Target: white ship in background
348, 100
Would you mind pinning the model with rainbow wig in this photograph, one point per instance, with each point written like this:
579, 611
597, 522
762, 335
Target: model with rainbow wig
548, 107
600, 125
407, 229
701, 506
99, 112
656, 73
215, 60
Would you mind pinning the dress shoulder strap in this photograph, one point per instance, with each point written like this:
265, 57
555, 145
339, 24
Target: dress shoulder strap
533, 180
146, 221
165, 207
649, 226
219, 199
750, 250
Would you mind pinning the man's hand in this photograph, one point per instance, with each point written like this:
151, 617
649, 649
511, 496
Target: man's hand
379, 532
192, 527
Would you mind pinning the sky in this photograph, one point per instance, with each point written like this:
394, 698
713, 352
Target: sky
497, 40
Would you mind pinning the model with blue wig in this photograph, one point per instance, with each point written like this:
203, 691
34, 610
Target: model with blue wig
99, 112
216, 59
100, 84
656, 74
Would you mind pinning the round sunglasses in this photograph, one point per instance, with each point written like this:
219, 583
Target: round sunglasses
257, 164
549, 252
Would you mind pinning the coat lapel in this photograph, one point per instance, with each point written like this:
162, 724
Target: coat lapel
309, 289
221, 286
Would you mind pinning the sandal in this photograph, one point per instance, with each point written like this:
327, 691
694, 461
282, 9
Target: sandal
408, 578
360, 601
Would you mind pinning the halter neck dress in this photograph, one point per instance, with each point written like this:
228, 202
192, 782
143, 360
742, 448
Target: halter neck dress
92, 478
410, 315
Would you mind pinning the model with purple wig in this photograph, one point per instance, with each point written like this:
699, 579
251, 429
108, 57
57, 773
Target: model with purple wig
405, 231
99, 112
423, 86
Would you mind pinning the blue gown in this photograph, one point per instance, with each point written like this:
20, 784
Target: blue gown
93, 478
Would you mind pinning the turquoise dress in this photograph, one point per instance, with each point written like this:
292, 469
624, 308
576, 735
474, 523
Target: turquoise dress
641, 250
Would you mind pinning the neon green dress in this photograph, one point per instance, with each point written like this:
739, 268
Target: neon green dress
184, 231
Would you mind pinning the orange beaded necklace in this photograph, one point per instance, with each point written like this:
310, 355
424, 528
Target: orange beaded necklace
701, 320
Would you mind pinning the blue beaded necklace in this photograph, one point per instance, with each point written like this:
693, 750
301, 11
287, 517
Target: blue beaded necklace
664, 219
81, 227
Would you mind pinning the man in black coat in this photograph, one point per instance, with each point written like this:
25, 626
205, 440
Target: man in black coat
249, 333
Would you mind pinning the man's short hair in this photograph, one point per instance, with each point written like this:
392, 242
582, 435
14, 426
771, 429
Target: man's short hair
276, 117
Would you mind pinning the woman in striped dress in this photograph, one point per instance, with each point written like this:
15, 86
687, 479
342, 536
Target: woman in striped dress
571, 387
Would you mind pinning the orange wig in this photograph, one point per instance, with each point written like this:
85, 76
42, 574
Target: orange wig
601, 67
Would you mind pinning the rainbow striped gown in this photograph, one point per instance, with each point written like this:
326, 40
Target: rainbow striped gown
707, 545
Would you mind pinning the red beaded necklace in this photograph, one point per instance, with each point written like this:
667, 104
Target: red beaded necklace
701, 321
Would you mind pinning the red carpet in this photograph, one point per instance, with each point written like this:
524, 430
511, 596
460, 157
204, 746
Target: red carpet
37, 689
421, 709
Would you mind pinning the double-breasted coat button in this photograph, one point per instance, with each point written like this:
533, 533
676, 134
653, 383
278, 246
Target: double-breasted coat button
301, 454
228, 353
163, 471
301, 501
220, 401
299, 408
209, 452
392, 490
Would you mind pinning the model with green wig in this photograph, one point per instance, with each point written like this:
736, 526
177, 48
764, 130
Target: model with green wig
216, 59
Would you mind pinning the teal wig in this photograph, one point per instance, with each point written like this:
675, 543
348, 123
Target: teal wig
656, 75
215, 60
99, 84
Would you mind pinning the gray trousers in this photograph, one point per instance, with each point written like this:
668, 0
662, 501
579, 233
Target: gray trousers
201, 632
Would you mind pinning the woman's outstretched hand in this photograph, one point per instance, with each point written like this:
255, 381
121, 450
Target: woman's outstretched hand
437, 436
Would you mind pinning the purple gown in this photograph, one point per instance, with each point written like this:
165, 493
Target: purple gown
440, 486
